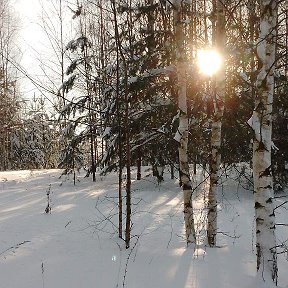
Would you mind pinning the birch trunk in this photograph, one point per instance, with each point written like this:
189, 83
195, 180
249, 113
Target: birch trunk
262, 126
183, 124
216, 128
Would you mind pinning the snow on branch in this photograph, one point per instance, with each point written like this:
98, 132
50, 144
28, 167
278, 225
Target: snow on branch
106, 132
254, 123
80, 42
153, 72
68, 84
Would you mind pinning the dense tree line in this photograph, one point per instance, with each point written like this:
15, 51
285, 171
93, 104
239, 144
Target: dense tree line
28, 133
9, 105
145, 49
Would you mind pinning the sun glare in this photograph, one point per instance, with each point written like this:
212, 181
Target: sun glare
209, 61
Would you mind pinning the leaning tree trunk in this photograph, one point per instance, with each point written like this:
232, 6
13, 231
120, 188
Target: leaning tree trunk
183, 125
219, 95
261, 122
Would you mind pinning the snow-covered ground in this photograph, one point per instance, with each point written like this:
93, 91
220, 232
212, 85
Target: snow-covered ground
77, 244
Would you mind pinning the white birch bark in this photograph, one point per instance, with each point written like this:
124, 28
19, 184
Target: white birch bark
183, 124
262, 126
216, 127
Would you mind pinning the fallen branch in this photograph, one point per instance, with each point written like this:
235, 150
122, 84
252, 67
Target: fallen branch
285, 202
226, 234
14, 247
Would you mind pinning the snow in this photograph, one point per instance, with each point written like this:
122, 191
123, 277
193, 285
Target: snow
254, 123
77, 244
177, 136
106, 132
245, 77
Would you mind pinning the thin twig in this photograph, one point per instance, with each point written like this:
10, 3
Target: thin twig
14, 247
127, 261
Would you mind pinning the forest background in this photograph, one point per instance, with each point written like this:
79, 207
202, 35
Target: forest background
120, 87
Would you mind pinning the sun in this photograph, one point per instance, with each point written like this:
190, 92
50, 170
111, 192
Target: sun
209, 61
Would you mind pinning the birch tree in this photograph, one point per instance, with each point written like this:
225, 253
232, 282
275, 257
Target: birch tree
261, 122
218, 101
182, 135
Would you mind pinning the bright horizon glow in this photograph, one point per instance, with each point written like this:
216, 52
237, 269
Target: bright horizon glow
209, 61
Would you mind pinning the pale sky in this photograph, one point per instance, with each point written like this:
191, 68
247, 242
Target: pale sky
30, 34
32, 40
28, 11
